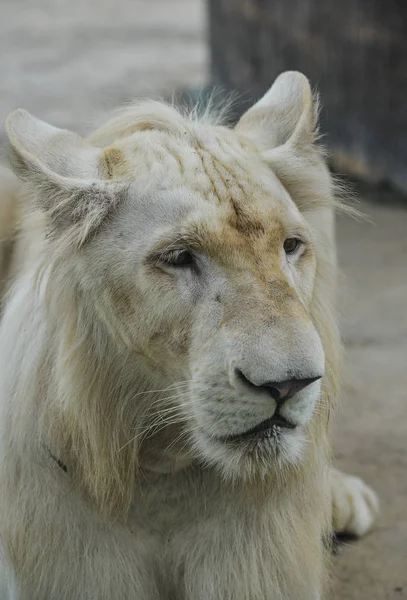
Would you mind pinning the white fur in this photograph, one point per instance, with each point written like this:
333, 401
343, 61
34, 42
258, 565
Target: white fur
355, 506
124, 368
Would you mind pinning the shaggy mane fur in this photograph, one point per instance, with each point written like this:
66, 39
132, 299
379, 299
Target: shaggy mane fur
72, 388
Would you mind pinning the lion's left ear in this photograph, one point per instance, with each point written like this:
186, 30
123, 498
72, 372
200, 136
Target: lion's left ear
284, 126
62, 170
287, 114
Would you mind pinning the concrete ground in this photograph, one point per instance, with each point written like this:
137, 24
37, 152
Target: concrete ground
69, 60
371, 430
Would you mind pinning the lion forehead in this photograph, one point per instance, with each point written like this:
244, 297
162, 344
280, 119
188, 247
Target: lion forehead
212, 164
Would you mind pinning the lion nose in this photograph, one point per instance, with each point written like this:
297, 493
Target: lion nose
280, 390
284, 390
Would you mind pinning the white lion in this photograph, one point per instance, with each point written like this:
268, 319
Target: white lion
169, 359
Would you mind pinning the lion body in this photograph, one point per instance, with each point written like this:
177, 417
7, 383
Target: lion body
89, 507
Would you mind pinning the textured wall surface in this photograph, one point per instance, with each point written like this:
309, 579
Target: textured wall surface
354, 50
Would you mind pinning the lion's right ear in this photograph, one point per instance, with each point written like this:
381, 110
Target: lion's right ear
62, 170
286, 115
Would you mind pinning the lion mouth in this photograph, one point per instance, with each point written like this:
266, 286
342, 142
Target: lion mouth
267, 428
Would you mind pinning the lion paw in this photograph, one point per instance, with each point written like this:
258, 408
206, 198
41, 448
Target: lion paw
355, 506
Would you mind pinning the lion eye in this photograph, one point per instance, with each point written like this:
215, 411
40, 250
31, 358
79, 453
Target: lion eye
178, 258
291, 245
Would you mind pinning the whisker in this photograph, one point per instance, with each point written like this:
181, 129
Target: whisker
168, 388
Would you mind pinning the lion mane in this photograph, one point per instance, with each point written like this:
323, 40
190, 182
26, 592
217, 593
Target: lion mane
102, 492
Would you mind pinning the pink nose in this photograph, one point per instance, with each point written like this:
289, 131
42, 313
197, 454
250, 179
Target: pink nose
279, 390
284, 390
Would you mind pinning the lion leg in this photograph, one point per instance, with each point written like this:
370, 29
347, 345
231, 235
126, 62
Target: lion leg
355, 506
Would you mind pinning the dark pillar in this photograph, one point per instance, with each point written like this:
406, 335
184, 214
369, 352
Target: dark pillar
354, 51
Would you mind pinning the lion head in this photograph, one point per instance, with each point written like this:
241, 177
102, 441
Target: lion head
182, 271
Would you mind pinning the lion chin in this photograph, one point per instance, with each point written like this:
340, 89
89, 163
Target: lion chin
170, 358
254, 455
